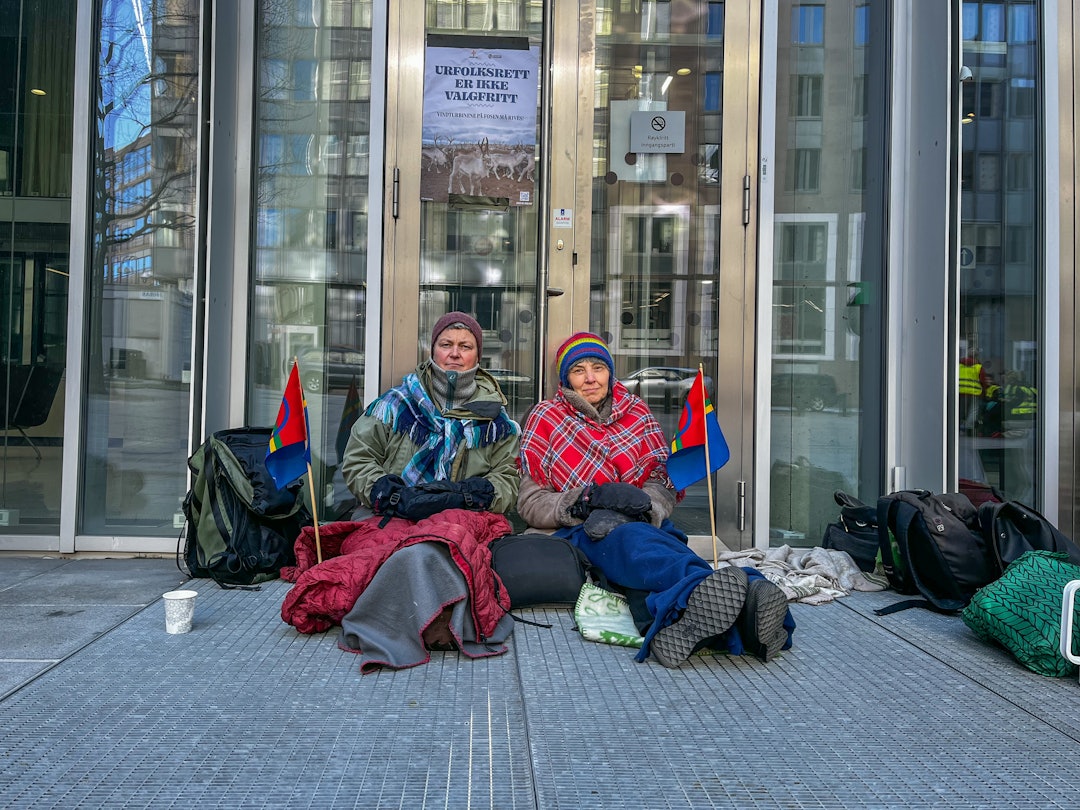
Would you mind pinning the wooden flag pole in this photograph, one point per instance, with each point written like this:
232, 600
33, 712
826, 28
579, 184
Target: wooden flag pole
708, 469
314, 512
311, 478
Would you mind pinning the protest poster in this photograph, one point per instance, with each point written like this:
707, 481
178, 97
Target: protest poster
479, 122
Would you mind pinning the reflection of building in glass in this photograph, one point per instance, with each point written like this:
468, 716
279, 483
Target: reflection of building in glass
147, 187
998, 187
822, 142
655, 265
1000, 229
829, 164
310, 247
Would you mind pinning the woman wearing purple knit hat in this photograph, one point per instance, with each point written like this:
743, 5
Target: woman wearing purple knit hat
446, 422
440, 441
594, 470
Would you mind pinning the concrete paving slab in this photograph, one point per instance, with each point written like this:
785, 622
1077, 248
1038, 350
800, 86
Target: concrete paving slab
53, 632
16, 569
96, 582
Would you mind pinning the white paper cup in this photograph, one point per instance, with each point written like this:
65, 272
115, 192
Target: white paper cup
179, 610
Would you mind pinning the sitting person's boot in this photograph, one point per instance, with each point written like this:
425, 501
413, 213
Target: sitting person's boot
761, 624
712, 609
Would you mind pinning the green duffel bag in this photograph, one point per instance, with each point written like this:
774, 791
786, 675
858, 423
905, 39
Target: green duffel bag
1021, 611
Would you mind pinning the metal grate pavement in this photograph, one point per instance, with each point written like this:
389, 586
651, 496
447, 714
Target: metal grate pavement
907, 710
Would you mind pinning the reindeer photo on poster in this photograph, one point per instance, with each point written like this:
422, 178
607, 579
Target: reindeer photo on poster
479, 126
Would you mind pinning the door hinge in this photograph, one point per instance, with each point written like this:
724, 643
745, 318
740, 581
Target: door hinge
395, 194
746, 199
742, 506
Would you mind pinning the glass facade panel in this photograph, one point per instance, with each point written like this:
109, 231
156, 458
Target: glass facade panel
827, 273
1001, 260
656, 217
478, 248
310, 229
37, 43
141, 268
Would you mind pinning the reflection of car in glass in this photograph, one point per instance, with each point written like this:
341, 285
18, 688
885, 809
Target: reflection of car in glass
665, 386
803, 391
513, 385
330, 367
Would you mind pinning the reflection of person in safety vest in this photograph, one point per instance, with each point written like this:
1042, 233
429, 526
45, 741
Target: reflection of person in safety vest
1021, 401
974, 386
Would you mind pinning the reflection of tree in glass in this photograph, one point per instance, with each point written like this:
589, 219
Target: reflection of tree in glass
144, 144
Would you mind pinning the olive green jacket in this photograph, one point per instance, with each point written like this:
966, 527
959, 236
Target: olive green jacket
375, 449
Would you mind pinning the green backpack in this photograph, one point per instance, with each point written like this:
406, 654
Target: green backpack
240, 526
1021, 611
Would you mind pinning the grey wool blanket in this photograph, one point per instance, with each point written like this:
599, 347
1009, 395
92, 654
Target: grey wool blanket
409, 593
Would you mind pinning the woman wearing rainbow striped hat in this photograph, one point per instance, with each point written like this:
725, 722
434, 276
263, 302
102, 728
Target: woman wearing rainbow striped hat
593, 466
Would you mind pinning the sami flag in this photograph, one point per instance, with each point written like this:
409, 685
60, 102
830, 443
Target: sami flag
289, 454
348, 417
697, 425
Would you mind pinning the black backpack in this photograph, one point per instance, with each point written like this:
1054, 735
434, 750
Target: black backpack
856, 531
932, 545
240, 526
1012, 528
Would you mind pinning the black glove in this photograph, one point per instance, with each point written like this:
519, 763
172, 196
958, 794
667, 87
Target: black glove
479, 493
391, 497
625, 499
424, 500
385, 494
601, 521
580, 508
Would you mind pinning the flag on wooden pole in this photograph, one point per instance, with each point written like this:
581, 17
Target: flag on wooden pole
699, 447
289, 453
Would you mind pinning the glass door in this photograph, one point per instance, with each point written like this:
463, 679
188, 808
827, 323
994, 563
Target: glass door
463, 164
671, 258
579, 215
1000, 360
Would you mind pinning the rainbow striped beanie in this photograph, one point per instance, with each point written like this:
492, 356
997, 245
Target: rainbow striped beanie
577, 348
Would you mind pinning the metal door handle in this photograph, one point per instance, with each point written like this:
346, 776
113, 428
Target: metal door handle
555, 292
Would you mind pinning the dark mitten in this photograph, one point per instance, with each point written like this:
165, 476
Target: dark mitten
385, 494
580, 508
601, 521
626, 499
478, 492
425, 500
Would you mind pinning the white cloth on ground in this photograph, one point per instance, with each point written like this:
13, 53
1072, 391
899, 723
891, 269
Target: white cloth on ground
808, 575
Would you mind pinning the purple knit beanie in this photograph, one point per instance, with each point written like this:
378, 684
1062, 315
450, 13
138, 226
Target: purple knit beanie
461, 321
